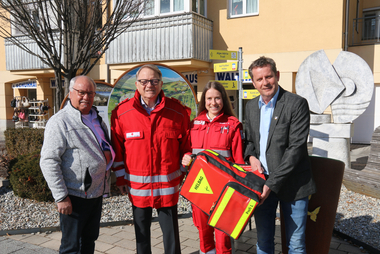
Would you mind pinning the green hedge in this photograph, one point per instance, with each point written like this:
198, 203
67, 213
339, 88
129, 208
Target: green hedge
23, 140
26, 178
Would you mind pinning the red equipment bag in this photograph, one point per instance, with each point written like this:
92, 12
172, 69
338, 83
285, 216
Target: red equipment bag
233, 209
211, 179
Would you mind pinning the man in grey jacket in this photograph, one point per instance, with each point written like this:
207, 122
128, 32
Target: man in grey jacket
75, 159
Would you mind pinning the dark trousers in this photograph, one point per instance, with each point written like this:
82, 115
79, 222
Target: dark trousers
168, 219
81, 228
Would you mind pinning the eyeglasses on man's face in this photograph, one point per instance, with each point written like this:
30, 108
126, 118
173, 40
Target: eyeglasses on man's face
145, 82
83, 93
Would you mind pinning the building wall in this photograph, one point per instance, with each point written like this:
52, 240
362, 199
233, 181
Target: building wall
281, 26
287, 31
365, 124
369, 3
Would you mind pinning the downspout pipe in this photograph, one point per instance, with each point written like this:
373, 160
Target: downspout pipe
346, 25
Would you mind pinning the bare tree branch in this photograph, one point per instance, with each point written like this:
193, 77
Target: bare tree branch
71, 35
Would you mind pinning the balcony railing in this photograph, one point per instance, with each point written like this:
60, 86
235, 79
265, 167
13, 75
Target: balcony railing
366, 31
177, 37
18, 59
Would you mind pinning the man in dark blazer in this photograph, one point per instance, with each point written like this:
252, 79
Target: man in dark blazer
277, 127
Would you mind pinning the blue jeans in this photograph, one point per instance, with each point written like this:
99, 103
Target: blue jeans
295, 215
81, 228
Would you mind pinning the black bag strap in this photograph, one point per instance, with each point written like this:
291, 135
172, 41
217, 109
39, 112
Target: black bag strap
251, 180
243, 190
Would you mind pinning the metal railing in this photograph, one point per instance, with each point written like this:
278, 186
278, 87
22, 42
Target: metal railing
177, 37
18, 59
365, 31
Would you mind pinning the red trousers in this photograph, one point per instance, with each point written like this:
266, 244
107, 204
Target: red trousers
222, 242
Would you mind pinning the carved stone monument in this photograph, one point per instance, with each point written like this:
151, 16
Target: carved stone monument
347, 87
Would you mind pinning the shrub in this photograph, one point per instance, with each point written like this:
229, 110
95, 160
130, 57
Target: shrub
26, 178
23, 141
4, 166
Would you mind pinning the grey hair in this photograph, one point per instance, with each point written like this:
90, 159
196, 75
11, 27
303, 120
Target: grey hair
74, 79
152, 67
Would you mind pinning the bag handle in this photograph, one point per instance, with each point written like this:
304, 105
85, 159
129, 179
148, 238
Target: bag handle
251, 180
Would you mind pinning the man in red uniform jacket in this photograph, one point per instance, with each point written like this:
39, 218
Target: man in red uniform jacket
150, 136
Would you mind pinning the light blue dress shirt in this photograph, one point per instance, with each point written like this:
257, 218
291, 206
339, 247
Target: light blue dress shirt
146, 107
266, 113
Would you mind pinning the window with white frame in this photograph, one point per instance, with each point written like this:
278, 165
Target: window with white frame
239, 8
162, 7
199, 6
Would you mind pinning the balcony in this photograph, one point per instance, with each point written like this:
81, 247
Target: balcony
177, 37
18, 59
366, 31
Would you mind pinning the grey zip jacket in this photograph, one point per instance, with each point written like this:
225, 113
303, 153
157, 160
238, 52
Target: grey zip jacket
72, 160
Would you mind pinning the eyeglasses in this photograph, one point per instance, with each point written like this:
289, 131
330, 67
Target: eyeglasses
83, 93
145, 82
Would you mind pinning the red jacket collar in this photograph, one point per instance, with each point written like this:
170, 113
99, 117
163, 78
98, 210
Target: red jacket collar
137, 102
203, 116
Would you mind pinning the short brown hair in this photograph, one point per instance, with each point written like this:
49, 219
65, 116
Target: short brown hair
261, 62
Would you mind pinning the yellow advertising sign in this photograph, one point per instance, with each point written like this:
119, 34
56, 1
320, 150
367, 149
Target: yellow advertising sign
223, 54
250, 94
230, 66
246, 75
228, 85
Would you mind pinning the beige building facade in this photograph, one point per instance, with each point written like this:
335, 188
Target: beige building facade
180, 33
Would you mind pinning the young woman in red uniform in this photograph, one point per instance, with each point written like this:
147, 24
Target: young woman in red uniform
215, 128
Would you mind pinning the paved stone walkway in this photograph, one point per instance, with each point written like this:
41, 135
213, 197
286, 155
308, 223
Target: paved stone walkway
121, 240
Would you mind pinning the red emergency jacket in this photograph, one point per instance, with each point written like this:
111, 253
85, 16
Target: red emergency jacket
149, 149
223, 135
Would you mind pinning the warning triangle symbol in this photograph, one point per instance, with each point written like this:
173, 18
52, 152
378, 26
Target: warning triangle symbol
200, 184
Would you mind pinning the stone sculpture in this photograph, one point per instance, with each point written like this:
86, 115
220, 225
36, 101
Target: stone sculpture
347, 87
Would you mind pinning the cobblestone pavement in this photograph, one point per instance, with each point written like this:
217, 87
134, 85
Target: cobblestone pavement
121, 239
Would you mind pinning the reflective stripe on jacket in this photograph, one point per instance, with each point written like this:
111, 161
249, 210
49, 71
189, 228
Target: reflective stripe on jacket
222, 135
149, 149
